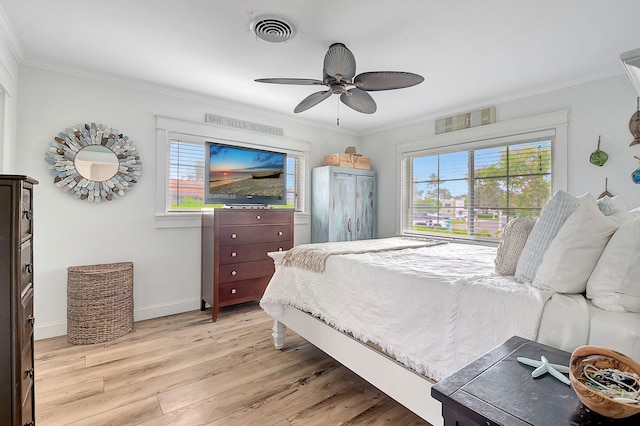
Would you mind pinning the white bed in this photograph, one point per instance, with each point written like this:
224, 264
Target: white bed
408, 317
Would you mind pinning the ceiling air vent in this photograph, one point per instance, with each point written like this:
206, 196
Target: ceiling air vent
274, 29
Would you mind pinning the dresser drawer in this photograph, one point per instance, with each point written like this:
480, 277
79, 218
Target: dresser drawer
26, 265
26, 317
242, 291
253, 217
246, 270
26, 214
249, 252
233, 235
27, 373
27, 408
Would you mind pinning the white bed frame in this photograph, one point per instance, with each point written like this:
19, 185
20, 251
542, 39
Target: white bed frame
397, 381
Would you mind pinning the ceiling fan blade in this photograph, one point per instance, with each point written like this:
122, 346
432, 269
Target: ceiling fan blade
302, 81
386, 80
312, 100
339, 61
359, 100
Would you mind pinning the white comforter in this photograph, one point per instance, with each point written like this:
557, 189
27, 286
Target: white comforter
432, 308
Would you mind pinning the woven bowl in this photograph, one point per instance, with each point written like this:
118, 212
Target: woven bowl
601, 358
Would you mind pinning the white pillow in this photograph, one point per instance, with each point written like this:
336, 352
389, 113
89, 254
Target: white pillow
514, 237
614, 284
575, 250
552, 217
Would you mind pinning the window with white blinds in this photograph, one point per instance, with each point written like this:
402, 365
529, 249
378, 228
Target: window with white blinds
186, 175
473, 190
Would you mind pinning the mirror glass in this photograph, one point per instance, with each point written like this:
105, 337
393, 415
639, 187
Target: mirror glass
96, 162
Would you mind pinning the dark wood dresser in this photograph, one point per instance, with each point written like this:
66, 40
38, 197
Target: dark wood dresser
235, 243
17, 403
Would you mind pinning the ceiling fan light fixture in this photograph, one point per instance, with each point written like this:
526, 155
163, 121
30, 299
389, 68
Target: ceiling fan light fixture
273, 29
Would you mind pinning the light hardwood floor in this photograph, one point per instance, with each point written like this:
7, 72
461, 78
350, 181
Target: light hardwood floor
186, 370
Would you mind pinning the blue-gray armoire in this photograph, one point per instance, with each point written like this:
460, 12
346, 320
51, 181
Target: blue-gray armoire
343, 204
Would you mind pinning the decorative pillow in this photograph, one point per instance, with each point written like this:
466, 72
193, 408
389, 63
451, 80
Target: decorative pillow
610, 205
552, 217
614, 284
573, 253
514, 237
614, 208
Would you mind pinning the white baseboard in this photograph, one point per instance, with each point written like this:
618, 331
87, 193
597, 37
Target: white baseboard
59, 328
164, 310
52, 329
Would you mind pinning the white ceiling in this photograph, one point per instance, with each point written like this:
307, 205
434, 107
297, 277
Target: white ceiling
472, 53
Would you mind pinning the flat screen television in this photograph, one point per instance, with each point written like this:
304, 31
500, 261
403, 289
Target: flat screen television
244, 176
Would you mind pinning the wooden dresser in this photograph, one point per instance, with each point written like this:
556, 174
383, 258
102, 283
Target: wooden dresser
17, 400
235, 243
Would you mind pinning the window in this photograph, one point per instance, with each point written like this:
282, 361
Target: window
186, 174
474, 189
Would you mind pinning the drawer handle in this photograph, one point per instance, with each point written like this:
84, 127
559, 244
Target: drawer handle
234, 236
280, 233
29, 373
234, 273
258, 217
31, 320
233, 254
233, 291
27, 214
28, 267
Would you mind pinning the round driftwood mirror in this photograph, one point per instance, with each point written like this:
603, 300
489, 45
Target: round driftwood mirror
93, 162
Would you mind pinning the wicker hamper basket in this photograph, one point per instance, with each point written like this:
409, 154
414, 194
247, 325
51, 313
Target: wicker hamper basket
99, 302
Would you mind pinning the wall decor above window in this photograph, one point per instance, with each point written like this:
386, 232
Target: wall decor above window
93, 162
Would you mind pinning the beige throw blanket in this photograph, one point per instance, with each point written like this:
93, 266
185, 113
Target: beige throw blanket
314, 256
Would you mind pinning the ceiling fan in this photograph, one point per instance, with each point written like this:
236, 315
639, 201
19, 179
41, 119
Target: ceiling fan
339, 71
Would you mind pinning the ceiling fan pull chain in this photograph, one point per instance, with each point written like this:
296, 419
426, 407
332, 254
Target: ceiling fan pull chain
338, 114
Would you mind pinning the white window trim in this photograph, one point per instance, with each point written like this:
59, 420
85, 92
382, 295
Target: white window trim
550, 121
174, 127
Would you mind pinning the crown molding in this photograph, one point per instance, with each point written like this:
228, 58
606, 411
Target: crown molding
10, 38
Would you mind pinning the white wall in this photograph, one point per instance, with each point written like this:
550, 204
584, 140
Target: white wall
602, 107
8, 97
167, 260
72, 232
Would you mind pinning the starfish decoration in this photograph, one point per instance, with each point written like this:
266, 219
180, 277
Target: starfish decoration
544, 366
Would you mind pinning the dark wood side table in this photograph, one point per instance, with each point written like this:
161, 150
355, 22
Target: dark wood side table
496, 389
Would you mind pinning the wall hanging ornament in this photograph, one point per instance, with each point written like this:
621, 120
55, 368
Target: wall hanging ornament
597, 157
606, 192
634, 125
635, 175
93, 162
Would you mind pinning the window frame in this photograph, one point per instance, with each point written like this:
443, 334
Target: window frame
471, 153
174, 128
481, 137
297, 171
